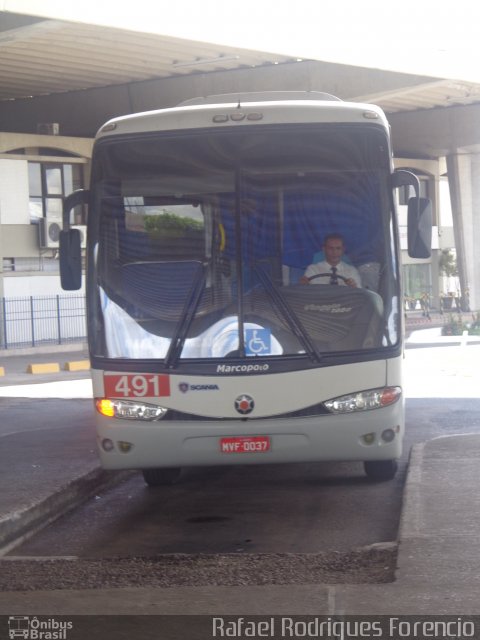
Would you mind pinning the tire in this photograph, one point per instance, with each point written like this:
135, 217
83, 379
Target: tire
380, 469
161, 477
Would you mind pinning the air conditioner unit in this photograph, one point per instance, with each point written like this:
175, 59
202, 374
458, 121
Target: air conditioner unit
83, 233
48, 128
49, 233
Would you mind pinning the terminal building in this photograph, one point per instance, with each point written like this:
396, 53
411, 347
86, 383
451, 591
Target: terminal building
46, 139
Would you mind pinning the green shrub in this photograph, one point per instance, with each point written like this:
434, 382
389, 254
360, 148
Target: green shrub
169, 224
456, 325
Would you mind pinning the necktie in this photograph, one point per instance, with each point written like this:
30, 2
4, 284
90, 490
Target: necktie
333, 277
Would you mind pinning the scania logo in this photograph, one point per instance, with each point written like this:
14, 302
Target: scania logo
184, 387
244, 404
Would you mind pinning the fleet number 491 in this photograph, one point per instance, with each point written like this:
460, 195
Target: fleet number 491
136, 385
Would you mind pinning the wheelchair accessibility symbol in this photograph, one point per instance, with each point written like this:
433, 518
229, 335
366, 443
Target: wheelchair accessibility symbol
257, 342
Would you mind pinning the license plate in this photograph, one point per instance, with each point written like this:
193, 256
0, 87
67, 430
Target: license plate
245, 444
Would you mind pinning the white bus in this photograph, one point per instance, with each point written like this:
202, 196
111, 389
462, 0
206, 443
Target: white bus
205, 347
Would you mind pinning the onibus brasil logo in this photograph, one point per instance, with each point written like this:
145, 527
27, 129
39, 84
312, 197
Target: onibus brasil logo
31, 628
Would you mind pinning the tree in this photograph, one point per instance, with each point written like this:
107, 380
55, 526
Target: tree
447, 263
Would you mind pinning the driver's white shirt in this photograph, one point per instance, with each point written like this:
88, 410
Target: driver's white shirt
343, 269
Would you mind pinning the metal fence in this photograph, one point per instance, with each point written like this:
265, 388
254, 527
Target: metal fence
41, 320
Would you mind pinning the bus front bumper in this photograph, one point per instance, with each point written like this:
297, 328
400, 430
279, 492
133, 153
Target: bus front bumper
369, 435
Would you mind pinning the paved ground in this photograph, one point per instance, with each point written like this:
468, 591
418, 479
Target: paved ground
438, 561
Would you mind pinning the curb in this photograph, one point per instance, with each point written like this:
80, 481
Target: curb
408, 526
77, 365
48, 349
54, 367
44, 367
19, 525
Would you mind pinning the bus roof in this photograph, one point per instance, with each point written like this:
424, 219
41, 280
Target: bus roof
259, 96
257, 108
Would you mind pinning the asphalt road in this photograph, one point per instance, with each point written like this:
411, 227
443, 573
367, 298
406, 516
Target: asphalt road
301, 508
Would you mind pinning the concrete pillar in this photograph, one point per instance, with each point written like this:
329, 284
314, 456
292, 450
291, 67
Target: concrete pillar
464, 182
2, 294
474, 294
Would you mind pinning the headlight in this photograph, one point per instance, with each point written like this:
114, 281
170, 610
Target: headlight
364, 400
129, 410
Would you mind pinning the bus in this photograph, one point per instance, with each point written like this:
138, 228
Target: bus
206, 346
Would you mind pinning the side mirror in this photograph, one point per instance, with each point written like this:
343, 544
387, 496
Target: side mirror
70, 244
404, 178
419, 228
419, 215
80, 196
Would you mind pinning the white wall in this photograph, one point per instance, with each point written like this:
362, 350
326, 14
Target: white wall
15, 286
48, 319
14, 192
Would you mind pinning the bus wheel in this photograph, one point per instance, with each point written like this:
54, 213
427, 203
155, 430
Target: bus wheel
380, 469
161, 477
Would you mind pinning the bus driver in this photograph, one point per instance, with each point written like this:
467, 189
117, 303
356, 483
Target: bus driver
332, 266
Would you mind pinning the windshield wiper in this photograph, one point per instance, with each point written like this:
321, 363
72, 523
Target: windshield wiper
188, 313
289, 314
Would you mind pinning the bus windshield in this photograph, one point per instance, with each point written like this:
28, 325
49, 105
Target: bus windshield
200, 241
